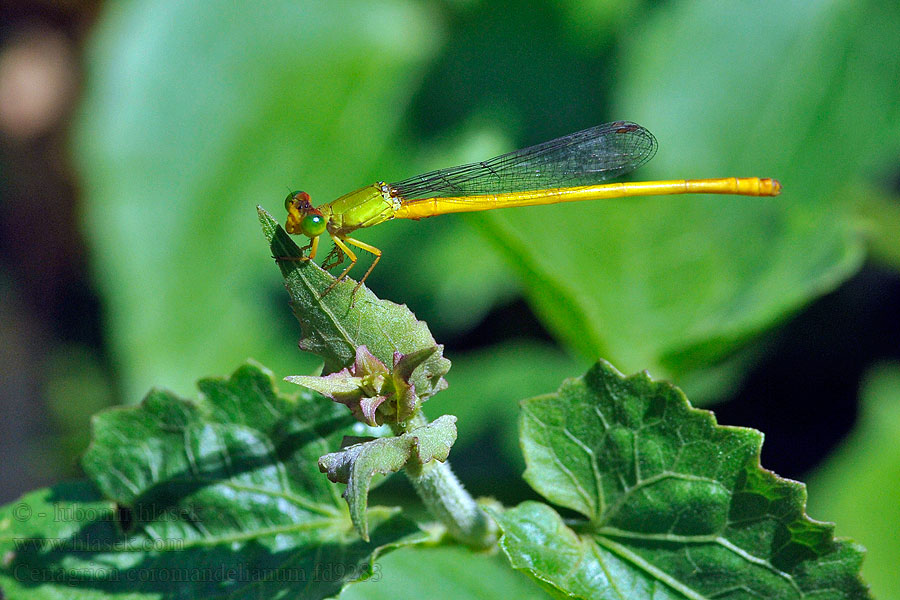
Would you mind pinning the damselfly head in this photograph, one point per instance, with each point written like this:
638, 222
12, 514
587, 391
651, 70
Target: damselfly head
297, 199
302, 216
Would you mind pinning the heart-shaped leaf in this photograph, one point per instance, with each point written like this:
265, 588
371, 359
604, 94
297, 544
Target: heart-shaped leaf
218, 498
675, 505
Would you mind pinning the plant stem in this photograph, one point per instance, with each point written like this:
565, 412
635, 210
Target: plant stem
447, 500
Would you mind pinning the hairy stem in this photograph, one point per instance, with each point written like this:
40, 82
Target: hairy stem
447, 500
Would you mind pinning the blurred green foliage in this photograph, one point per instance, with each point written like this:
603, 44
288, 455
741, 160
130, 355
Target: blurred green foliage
859, 486
212, 109
214, 112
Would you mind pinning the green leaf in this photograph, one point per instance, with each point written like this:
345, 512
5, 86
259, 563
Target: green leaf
192, 114
879, 218
67, 542
240, 432
356, 465
442, 572
859, 485
336, 325
676, 506
209, 499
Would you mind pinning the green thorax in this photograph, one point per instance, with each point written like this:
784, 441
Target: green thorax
364, 207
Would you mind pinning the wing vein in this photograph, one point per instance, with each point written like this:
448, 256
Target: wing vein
597, 154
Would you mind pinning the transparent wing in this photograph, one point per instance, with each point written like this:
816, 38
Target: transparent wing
582, 158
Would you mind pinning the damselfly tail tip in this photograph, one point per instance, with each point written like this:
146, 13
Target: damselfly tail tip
773, 186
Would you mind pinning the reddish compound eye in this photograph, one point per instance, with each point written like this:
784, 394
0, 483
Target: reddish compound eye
302, 198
